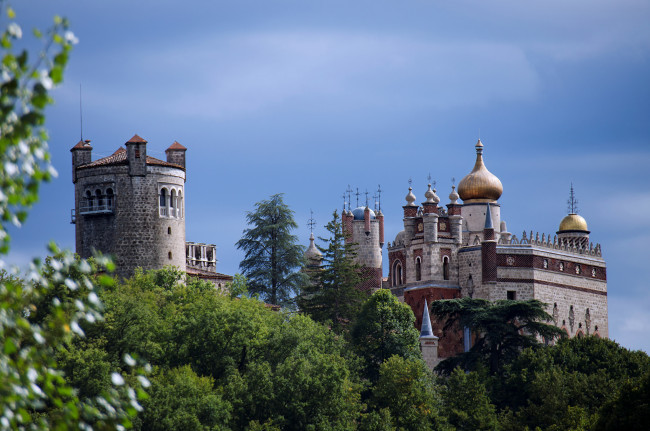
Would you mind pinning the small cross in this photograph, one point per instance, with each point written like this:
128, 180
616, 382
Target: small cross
366, 197
410, 181
357, 194
429, 177
379, 195
453, 181
311, 223
349, 192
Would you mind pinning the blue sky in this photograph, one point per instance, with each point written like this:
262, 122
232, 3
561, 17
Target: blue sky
306, 97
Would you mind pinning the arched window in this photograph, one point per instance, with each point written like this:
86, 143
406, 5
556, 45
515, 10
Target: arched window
445, 268
418, 269
163, 202
109, 198
397, 273
179, 208
89, 201
100, 199
172, 203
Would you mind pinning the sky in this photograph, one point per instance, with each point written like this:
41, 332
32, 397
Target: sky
307, 97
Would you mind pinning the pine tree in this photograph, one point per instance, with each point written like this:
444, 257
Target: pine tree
332, 296
272, 254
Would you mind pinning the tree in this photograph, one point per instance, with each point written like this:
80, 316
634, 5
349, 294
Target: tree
272, 253
466, 402
384, 327
407, 389
502, 329
333, 297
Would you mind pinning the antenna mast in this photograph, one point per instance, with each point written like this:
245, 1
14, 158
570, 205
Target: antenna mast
572, 202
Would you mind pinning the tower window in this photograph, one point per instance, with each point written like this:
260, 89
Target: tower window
445, 268
169, 231
169, 255
109, 198
397, 273
512, 295
418, 269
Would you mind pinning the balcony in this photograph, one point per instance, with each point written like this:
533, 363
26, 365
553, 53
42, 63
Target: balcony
90, 207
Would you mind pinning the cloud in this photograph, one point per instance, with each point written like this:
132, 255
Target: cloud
629, 321
242, 73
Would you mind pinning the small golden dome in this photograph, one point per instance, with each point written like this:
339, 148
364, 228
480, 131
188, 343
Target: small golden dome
480, 185
573, 222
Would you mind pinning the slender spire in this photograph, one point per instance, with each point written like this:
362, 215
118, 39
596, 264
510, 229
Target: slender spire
572, 202
379, 196
488, 218
311, 222
426, 330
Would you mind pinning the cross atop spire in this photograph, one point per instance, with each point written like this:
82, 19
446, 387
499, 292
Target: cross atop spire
366, 197
349, 192
311, 222
572, 202
357, 195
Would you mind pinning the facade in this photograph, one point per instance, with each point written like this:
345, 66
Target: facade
132, 206
466, 250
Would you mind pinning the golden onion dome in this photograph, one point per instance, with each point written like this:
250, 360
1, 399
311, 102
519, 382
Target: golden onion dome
573, 222
480, 185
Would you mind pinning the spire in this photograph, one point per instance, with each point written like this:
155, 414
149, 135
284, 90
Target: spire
426, 331
488, 218
572, 202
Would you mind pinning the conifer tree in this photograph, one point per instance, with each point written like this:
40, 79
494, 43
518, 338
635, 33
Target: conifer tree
272, 254
332, 296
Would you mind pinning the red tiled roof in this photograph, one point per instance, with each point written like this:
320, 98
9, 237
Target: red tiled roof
82, 145
207, 274
119, 158
176, 146
136, 140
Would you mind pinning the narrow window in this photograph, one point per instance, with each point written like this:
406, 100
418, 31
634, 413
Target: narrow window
445, 268
109, 198
100, 199
163, 198
179, 208
397, 273
169, 255
169, 231
89, 201
512, 295
418, 269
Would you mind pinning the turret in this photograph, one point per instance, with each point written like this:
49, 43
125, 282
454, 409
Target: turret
176, 154
410, 212
136, 155
430, 215
489, 250
428, 341
380, 218
81, 155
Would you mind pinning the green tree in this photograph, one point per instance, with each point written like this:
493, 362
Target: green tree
384, 327
407, 389
629, 409
333, 297
502, 329
466, 402
272, 254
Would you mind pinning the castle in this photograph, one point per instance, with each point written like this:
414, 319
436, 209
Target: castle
465, 249
131, 205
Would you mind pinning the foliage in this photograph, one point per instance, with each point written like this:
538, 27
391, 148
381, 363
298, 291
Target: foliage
567, 383
629, 409
333, 297
502, 330
181, 400
37, 392
466, 402
272, 253
238, 287
384, 327
407, 390
24, 86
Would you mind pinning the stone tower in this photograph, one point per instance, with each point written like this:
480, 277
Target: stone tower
131, 206
365, 228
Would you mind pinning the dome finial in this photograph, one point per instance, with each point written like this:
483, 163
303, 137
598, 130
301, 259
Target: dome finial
410, 198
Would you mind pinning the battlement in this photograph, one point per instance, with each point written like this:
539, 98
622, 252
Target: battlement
570, 245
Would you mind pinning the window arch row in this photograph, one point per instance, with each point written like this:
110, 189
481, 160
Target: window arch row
97, 199
170, 201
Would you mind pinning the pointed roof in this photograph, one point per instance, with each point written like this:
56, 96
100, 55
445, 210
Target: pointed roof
82, 145
488, 218
427, 331
136, 140
176, 146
